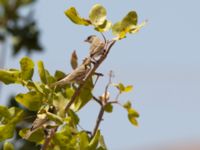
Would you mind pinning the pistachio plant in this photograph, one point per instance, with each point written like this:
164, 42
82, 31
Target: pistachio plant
57, 124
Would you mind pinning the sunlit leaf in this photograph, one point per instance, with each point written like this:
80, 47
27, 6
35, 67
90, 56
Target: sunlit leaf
4, 112
53, 117
84, 141
120, 87
27, 68
104, 27
127, 105
31, 100
41, 71
132, 114
73, 15
17, 115
10, 76
73, 116
36, 136
85, 95
97, 15
8, 146
6, 131
128, 88
102, 144
94, 142
127, 25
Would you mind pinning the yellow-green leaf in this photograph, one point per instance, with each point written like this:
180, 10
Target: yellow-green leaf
128, 88
10, 76
8, 146
41, 71
36, 136
104, 27
130, 19
27, 68
94, 142
97, 15
31, 100
132, 116
53, 117
6, 131
73, 15
4, 112
85, 95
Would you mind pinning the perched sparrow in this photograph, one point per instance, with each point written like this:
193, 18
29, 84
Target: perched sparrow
75, 76
97, 46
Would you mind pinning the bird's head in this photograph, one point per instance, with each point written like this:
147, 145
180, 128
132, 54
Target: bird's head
90, 38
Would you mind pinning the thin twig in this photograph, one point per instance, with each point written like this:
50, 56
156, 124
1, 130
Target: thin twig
97, 100
98, 121
89, 75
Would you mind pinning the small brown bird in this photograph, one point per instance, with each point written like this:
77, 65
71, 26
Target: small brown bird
75, 76
97, 46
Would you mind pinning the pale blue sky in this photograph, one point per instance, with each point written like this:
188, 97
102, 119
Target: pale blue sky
162, 62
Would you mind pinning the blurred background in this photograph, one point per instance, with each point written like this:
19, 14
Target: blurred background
162, 61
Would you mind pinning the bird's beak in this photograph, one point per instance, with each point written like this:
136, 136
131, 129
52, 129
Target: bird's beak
86, 40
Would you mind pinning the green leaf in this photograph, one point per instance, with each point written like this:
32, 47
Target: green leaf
41, 71
8, 146
73, 116
127, 105
59, 75
102, 144
85, 95
10, 76
128, 88
97, 15
104, 27
84, 141
31, 100
4, 112
27, 68
17, 115
130, 19
127, 25
36, 136
132, 115
120, 87
94, 142
6, 131
73, 15
53, 117
108, 108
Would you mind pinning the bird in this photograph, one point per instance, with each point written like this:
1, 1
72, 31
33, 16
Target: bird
97, 46
75, 76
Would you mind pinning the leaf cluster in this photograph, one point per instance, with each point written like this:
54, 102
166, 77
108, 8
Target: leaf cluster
98, 19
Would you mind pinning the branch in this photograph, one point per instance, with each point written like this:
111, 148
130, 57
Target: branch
89, 75
48, 139
99, 119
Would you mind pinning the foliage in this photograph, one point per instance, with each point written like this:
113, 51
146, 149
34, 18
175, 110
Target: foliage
56, 124
22, 28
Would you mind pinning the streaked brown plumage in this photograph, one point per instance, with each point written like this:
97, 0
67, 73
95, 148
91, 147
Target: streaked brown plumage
97, 46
